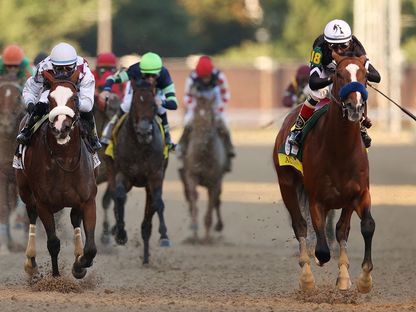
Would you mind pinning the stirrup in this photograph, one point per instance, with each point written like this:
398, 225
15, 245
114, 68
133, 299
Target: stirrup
171, 146
295, 137
24, 136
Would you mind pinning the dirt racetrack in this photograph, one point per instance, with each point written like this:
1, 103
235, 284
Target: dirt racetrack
251, 266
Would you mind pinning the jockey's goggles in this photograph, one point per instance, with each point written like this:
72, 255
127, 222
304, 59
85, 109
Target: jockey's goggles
146, 76
342, 46
105, 69
64, 68
12, 66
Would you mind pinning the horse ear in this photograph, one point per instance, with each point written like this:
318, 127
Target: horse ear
363, 59
48, 76
74, 77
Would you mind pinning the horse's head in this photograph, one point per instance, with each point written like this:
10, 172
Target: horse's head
143, 110
63, 107
349, 85
11, 108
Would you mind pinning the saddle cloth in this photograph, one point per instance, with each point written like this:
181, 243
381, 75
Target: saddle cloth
291, 155
109, 151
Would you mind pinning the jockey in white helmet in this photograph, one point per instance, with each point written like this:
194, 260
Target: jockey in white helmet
337, 37
61, 63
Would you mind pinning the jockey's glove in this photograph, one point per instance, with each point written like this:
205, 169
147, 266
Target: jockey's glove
30, 107
41, 108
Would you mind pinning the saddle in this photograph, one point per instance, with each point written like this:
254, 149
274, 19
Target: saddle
109, 151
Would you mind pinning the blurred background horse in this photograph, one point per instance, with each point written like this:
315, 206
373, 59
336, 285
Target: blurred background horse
11, 112
204, 163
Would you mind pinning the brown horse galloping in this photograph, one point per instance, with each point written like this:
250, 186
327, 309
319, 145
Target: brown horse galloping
58, 172
335, 175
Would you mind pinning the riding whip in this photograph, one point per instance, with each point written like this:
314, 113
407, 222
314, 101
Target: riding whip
407, 112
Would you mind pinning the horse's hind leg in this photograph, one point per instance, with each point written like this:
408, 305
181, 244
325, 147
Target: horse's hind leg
119, 201
105, 235
217, 205
342, 231
90, 250
213, 201
365, 282
289, 195
53, 242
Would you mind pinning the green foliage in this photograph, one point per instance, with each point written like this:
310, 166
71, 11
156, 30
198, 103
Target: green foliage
38, 25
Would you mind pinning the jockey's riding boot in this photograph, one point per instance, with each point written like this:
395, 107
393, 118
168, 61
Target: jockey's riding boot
92, 136
182, 145
364, 135
295, 134
168, 139
226, 137
108, 129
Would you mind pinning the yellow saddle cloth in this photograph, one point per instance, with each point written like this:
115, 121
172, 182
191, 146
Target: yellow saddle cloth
109, 151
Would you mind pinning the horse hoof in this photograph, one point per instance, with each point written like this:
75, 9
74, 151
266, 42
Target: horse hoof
306, 280
31, 267
364, 283
218, 227
121, 237
165, 242
105, 239
79, 273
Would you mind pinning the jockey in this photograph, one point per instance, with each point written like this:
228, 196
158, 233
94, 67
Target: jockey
205, 77
106, 65
294, 93
336, 37
151, 69
62, 63
14, 65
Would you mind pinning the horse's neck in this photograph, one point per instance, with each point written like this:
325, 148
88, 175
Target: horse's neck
338, 129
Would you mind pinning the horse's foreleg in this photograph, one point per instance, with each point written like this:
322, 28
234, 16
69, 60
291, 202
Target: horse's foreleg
90, 250
30, 265
342, 231
53, 243
217, 205
159, 207
193, 208
76, 218
119, 202
318, 215
146, 227
365, 282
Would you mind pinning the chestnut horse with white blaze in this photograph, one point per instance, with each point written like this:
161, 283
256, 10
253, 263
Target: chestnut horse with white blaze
335, 175
58, 172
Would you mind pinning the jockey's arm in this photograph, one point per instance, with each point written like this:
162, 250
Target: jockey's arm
316, 82
224, 89
32, 89
119, 77
86, 92
171, 102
